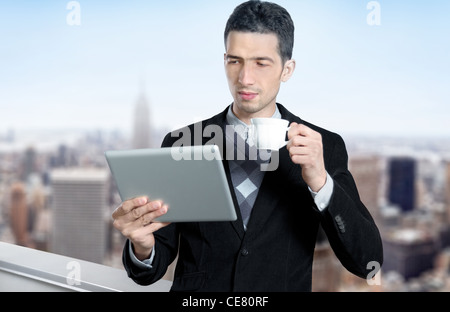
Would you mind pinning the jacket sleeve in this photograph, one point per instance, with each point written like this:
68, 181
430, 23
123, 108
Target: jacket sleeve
166, 249
351, 230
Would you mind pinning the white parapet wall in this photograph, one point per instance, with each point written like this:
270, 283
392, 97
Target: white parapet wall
28, 270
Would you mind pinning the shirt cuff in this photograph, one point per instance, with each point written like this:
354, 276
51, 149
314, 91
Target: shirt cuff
145, 264
323, 197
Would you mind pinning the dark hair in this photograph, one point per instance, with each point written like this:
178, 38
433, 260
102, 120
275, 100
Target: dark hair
264, 17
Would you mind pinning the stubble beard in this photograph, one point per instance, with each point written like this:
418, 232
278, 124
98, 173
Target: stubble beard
250, 108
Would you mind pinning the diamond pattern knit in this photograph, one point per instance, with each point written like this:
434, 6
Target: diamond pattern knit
246, 176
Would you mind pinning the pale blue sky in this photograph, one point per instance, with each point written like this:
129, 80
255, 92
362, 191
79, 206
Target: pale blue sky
352, 78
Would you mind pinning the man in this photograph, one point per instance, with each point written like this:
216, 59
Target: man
270, 246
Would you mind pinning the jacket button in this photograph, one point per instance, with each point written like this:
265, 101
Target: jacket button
244, 252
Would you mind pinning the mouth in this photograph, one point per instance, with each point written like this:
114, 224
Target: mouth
247, 96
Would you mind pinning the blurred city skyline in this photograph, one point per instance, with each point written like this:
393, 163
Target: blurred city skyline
70, 92
353, 78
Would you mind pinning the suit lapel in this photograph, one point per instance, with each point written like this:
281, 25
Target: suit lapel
220, 120
238, 224
268, 197
268, 194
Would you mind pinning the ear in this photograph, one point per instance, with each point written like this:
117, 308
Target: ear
288, 70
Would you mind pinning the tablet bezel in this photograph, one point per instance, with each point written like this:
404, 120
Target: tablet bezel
187, 178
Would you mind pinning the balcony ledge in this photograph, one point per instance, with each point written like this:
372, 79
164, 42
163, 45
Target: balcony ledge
28, 270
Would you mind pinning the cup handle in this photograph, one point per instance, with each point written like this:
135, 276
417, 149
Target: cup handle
286, 142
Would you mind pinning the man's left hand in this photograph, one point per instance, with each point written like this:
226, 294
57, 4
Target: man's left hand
305, 149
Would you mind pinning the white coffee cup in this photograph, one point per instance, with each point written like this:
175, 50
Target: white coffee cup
269, 133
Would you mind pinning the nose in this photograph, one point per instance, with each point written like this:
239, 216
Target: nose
246, 75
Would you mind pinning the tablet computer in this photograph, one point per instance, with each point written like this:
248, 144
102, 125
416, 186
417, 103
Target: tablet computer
191, 180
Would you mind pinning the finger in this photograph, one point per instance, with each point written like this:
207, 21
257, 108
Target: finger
297, 141
155, 226
138, 212
300, 159
301, 130
298, 150
292, 130
298, 130
141, 234
118, 212
157, 210
146, 220
302, 145
140, 216
129, 205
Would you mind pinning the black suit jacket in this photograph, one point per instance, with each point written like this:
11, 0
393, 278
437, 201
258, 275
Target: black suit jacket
276, 252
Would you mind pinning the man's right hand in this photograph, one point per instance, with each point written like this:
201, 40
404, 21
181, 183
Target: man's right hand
134, 218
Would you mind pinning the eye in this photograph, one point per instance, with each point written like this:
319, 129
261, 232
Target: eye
262, 64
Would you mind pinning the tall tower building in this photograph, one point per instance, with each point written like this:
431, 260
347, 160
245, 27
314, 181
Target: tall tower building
141, 123
366, 170
447, 191
28, 163
20, 215
402, 176
444, 219
79, 213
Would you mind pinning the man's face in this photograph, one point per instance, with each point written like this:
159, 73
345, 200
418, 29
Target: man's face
254, 71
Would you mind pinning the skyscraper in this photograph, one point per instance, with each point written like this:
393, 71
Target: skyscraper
402, 176
366, 170
447, 191
20, 215
79, 210
28, 163
141, 123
